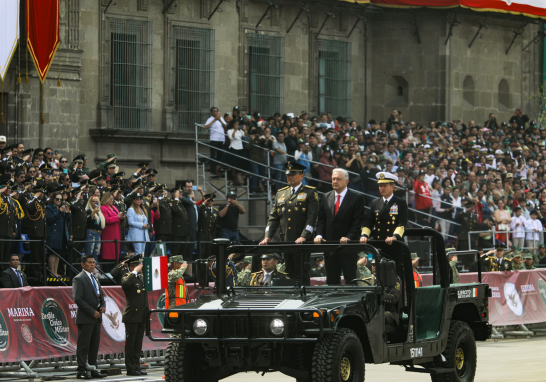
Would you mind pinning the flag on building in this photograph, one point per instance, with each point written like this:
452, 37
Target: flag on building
156, 272
9, 33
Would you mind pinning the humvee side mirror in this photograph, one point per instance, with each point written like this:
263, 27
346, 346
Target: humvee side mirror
388, 273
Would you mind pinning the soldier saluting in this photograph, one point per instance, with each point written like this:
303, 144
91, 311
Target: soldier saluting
497, 262
388, 215
37, 228
208, 219
295, 211
177, 292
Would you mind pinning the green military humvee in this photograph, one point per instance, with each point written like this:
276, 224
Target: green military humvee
328, 333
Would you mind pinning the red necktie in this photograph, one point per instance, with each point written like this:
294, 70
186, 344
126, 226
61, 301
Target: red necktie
336, 208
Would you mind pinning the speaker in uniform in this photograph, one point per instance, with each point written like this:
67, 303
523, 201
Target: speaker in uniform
208, 220
295, 212
7, 220
37, 229
387, 218
134, 315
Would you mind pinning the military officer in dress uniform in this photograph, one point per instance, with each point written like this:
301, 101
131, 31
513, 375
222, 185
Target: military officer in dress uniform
269, 275
122, 268
37, 228
497, 262
7, 220
469, 222
177, 292
25, 196
208, 219
134, 315
79, 219
517, 265
388, 215
162, 226
180, 228
295, 211
151, 177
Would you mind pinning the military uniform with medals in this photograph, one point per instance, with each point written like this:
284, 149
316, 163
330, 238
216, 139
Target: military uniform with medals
37, 228
208, 219
7, 221
134, 317
271, 279
296, 216
180, 227
163, 226
496, 264
386, 219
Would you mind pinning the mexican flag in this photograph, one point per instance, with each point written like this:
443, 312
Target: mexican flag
156, 272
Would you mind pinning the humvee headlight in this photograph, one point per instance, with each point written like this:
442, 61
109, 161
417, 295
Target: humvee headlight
277, 327
200, 327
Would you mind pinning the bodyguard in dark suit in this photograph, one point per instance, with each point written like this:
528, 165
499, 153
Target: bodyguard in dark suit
388, 215
134, 315
208, 220
180, 228
295, 212
339, 219
191, 210
89, 298
13, 277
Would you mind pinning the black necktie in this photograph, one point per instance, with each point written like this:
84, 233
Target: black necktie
293, 190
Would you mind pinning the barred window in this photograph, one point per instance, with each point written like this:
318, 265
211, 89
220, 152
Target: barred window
334, 78
194, 76
130, 74
265, 73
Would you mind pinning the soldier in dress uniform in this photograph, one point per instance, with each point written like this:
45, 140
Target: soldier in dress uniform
7, 219
37, 229
388, 215
134, 315
244, 276
180, 228
122, 268
163, 226
23, 199
269, 275
151, 177
497, 262
517, 265
318, 270
469, 222
528, 260
208, 219
177, 292
295, 211
79, 219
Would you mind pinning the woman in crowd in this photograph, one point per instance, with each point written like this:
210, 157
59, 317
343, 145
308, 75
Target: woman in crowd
57, 218
137, 217
113, 219
502, 220
95, 226
235, 134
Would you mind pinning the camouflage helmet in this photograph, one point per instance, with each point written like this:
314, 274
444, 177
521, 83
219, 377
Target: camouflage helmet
516, 254
414, 256
177, 259
528, 255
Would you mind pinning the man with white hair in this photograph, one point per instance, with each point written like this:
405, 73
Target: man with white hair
339, 218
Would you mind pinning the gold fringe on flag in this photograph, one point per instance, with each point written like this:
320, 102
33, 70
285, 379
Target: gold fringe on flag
2, 117
42, 121
26, 59
59, 81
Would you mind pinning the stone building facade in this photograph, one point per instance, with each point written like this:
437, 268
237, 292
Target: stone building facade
136, 74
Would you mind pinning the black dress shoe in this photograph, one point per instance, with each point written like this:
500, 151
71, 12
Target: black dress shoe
83, 375
98, 374
134, 373
143, 372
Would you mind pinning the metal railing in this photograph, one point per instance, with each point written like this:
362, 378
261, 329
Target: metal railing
494, 232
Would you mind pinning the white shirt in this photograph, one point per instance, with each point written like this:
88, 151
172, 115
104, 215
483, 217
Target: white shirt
429, 179
294, 190
96, 283
267, 278
216, 129
530, 226
519, 231
386, 201
236, 142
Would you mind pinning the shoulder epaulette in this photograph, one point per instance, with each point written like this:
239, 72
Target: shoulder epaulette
256, 273
284, 188
314, 188
284, 273
215, 209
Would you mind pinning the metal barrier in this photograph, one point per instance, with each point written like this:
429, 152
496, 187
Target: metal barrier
494, 233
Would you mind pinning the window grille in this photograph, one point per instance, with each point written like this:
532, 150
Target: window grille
265, 74
334, 78
193, 75
130, 74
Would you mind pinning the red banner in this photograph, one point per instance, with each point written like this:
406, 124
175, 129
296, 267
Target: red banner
531, 8
39, 323
42, 27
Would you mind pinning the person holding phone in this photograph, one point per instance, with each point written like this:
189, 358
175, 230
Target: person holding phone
216, 125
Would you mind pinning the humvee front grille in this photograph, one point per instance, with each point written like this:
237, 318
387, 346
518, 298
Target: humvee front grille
254, 304
238, 327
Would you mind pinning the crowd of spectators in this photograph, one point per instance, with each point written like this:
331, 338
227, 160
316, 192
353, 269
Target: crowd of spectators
441, 165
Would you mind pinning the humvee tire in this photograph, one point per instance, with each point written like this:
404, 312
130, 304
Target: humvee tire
460, 354
338, 357
183, 365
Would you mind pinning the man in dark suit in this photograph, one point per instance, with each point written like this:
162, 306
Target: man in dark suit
89, 298
134, 315
189, 203
13, 277
388, 215
339, 219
